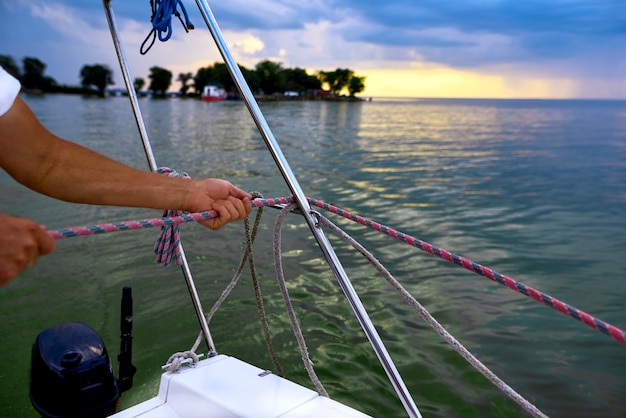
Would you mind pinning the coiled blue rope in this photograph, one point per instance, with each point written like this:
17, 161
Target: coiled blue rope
162, 20
162, 12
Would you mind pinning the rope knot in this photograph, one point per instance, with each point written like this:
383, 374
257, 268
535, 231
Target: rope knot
167, 245
176, 360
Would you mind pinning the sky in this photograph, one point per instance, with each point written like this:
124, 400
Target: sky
404, 48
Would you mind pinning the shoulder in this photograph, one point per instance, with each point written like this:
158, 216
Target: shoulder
9, 89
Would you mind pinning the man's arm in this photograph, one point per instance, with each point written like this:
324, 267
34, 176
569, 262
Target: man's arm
42, 161
67, 171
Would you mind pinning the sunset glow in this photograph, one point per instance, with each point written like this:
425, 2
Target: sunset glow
572, 49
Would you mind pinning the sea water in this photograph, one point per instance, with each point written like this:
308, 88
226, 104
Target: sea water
534, 189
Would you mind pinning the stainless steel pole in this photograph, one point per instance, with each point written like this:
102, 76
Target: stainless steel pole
303, 204
153, 166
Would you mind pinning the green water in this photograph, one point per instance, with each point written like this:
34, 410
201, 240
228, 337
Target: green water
533, 189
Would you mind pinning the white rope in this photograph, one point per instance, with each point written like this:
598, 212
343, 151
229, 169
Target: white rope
280, 276
177, 360
189, 357
247, 256
430, 320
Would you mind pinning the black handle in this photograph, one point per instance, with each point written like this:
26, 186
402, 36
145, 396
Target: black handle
127, 370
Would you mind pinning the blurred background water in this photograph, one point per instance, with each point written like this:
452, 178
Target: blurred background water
533, 189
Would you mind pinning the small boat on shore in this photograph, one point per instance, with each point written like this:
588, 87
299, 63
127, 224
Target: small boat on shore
213, 93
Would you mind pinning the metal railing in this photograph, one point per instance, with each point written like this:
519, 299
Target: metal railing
294, 186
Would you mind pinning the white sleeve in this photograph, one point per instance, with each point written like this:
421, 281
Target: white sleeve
9, 89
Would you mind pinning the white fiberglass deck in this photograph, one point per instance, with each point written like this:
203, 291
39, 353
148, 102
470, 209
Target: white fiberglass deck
226, 387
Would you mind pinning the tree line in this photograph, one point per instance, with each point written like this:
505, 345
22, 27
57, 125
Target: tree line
267, 78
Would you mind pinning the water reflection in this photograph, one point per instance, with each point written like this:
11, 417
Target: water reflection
533, 189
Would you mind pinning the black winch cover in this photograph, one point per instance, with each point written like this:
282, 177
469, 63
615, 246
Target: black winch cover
71, 374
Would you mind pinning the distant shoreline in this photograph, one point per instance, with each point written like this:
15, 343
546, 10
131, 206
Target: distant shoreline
277, 97
260, 98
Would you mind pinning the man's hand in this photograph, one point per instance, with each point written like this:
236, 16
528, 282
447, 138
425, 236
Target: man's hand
230, 202
22, 241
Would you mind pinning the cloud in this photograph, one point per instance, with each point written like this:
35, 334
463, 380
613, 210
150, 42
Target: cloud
508, 17
463, 33
67, 22
245, 44
272, 14
575, 44
62, 37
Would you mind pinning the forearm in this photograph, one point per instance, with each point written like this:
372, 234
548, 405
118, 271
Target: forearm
82, 176
103, 181
62, 169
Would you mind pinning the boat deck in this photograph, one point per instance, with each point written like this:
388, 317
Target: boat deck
224, 386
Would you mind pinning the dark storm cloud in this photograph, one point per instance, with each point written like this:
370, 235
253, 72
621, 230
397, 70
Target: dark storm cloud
536, 29
601, 17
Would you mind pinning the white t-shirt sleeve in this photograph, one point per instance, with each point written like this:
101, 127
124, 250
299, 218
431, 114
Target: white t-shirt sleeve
9, 89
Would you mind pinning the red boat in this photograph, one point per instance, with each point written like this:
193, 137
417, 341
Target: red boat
213, 94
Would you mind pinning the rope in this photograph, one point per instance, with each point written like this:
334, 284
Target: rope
167, 245
81, 231
177, 360
566, 309
430, 320
162, 11
259, 301
491, 274
280, 276
248, 255
170, 223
